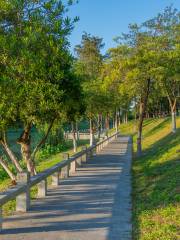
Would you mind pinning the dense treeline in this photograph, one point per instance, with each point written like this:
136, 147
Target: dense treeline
42, 85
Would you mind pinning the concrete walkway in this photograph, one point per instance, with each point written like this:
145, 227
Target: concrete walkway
94, 204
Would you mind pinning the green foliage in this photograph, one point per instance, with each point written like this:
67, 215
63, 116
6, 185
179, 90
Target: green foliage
88, 68
37, 84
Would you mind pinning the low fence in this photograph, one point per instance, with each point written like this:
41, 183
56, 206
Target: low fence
21, 192
83, 135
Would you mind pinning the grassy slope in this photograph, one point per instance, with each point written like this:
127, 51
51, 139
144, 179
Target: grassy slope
156, 181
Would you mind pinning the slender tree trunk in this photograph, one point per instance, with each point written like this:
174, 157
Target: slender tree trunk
99, 125
10, 154
119, 118
140, 125
173, 121
25, 142
7, 169
107, 123
142, 111
74, 137
101, 116
113, 122
116, 120
172, 103
126, 117
77, 131
91, 133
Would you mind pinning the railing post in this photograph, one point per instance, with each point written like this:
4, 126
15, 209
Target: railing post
65, 170
106, 140
55, 179
73, 167
23, 200
101, 145
78, 162
97, 148
42, 189
84, 156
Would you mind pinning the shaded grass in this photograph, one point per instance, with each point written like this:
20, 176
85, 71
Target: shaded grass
156, 181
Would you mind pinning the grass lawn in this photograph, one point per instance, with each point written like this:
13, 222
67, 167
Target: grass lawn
156, 181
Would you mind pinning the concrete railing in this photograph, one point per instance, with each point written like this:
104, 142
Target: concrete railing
83, 135
21, 192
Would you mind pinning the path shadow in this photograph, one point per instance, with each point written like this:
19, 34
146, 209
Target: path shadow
157, 127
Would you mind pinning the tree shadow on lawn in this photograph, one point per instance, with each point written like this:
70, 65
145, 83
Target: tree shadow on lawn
156, 183
150, 121
157, 127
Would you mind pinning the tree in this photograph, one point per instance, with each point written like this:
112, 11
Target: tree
166, 31
74, 105
37, 61
113, 82
88, 68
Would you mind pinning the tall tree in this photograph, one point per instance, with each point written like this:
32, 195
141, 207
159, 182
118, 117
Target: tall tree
37, 60
165, 28
88, 67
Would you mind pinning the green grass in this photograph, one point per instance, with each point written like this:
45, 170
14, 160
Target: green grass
156, 181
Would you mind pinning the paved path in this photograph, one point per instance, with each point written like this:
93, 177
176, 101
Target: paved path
94, 204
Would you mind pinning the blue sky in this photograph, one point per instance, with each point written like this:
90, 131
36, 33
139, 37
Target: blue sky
109, 18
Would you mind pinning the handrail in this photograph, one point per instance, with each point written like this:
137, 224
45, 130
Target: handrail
22, 189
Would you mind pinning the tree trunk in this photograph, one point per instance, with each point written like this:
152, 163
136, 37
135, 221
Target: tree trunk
116, 120
91, 133
142, 111
25, 142
107, 124
74, 137
172, 103
140, 125
126, 114
124, 117
7, 169
113, 121
99, 126
77, 131
107, 121
173, 121
101, 122
11, 154
119, 118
